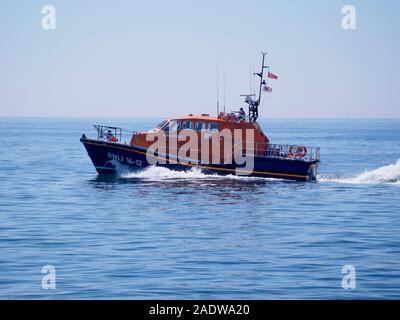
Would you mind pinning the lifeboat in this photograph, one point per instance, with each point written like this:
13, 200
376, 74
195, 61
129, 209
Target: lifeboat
226, 144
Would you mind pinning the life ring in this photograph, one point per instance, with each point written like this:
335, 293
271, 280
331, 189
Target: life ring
301, 152
291, 152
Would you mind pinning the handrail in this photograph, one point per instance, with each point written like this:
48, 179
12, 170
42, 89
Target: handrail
102, 132
295, 152
278, 151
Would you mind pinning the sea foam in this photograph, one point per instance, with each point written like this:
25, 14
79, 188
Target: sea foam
386, 174
155, 173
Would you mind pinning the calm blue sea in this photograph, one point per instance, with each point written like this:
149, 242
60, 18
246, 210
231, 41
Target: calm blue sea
160, 234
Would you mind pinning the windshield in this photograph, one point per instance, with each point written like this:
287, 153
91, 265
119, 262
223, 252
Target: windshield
162, 124
173, 126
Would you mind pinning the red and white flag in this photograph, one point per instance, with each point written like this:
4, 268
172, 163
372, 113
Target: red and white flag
272, 76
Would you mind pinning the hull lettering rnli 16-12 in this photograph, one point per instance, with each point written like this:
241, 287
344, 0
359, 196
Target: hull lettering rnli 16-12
227, 144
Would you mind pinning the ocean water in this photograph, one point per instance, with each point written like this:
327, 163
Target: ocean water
158, 234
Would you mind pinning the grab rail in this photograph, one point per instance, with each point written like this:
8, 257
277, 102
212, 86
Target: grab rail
279, 151
288, 151
282, 151
106, 132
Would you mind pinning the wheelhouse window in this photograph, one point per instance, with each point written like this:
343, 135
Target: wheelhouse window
173, 126
162, 124
200, 126
186, 125
213, 127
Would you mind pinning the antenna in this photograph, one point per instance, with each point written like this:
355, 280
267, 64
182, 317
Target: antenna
217, 88
224, 93
261, 75
254, 85
250, 80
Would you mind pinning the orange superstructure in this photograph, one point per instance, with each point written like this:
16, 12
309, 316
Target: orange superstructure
226, 127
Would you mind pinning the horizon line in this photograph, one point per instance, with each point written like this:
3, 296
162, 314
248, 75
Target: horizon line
166, 117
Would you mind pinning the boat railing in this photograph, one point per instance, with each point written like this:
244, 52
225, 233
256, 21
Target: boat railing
103, 133
288, 151
278, 151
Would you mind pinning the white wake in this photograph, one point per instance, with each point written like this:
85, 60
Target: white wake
155, 173
385, 174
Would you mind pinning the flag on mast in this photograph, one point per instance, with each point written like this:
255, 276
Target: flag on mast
272, 76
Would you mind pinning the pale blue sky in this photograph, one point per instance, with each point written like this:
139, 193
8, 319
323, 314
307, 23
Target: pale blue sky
158, 58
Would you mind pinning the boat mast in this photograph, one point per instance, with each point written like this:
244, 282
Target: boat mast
262, 82
217, 88
253, 105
